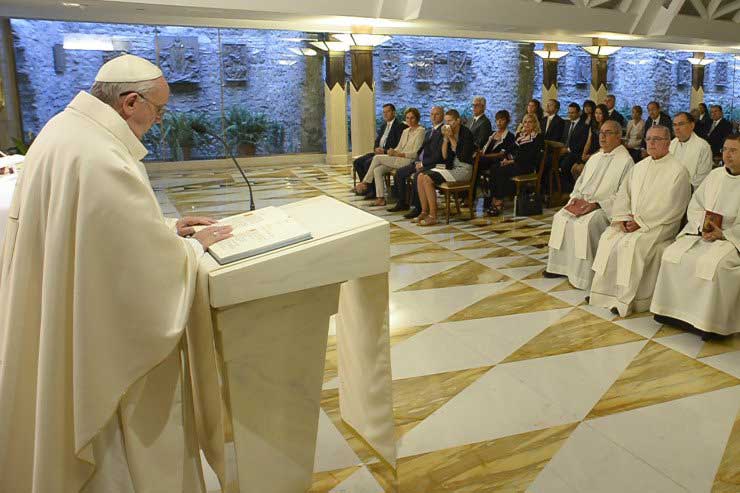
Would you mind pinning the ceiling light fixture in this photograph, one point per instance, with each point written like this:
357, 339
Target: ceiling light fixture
699, 59
330, 45
550, 52
357, 39
303, 51
600, 47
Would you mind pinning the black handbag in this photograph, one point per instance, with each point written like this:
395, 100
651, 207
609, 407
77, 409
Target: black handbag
528, 203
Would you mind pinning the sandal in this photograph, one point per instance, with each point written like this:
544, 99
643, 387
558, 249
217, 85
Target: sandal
379, 203
428, 221
420, 217
360, 188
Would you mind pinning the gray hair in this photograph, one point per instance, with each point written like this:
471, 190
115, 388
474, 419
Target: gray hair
109, 92
615, 124
479, 99
662, 128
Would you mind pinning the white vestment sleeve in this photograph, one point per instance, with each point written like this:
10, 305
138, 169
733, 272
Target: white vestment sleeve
703, 167
621, 207
667, 203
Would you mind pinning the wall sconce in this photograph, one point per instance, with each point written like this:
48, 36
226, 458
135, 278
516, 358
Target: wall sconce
698, 59
550, 52
601, 48
356, 39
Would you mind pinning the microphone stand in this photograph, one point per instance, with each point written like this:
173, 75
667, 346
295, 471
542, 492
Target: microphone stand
203, 130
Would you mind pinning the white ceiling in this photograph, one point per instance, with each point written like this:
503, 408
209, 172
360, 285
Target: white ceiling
699, 25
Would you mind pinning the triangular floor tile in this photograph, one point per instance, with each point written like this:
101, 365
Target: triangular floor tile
590, 462
726, 362
361, 481
684, 438
521, 272
401, 275
429, 253
577, 331
645, 326
474, 254
405, 248
720, 346
332, 450
428, 306
659, 374
496, 263
539, 394
728, 475
464, 274
543, 283
686, 343
517, 298
573, 296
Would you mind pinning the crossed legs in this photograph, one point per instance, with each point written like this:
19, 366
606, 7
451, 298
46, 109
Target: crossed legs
428, 199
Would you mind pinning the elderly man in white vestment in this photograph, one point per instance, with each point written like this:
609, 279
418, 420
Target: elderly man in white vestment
96, 288
646, 216
690, 149
699, 280
577, 227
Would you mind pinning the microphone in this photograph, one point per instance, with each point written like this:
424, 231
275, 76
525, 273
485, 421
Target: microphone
201, 129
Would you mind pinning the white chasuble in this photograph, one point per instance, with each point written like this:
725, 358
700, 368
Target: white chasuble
573, 240
655, 194
96, 292
699, 281
696, 156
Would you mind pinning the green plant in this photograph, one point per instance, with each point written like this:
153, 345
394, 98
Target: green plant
245, 127
179, 135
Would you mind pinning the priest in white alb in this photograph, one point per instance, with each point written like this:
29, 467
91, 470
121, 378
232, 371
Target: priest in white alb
646, 216
699, 280
691, 150
96, 287
577, 227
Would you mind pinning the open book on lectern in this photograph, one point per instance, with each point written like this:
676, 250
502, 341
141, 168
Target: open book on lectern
257, 232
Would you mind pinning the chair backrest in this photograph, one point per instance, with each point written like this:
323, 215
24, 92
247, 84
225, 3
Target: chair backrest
541, 168
473, 177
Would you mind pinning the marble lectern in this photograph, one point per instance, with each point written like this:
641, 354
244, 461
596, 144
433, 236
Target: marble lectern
270, 316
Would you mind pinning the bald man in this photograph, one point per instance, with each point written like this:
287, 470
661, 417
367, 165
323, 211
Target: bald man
98, 287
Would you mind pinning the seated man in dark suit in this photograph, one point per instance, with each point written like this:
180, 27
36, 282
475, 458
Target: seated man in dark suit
552, 125
656, 117
703, 121
718, 130
615, 115
480, 125
575, 136
430, 155
388, 137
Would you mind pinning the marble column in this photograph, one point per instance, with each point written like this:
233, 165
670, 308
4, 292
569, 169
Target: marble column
525, 72
10, 116
335, 103
598, 79
697, 83
362, 100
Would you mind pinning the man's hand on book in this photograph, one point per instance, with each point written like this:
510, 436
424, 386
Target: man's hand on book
580, 207
212, 234
714, 234
185, 225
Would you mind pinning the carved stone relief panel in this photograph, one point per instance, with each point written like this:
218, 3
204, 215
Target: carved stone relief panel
234, 62
424, 65
179, 58
390, 66
457, 66
583, 69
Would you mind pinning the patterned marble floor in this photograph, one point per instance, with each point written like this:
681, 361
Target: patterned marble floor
504, 380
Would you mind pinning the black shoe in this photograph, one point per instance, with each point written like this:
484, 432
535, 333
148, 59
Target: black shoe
614, 310
587, 299
551, 275
412, 214
400, 206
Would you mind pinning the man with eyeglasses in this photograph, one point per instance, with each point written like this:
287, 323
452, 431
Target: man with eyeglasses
698, 287
646, 216
480, 125
691, 150
577, 227
98, 286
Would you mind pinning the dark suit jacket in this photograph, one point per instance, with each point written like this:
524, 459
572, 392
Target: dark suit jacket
528, 155
481, 130
617, 116
504, 146
464, 150
393, 136
431, 150
716, 137
701, 127
555, 132
664, 120
578, 137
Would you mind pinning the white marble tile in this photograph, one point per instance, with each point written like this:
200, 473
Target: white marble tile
599, 311
454, 244
360, 481
544, 284
727, 362
505, 242
498, 262
428, 306
684, 439
521, 272
572, 296
552, 484
539, 393
332, 450
401, 249
402, 275
526, 249
644, 326
686, 343
476, 253
588, 462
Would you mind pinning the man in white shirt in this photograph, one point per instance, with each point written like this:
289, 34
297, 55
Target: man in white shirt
646, 216
610, 101
552, 125
576, 228
480, 125
691, 150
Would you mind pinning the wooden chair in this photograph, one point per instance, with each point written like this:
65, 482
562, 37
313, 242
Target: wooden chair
456, 188
531, 178
555, 149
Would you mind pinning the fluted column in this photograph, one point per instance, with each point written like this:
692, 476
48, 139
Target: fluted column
697, 82
335, 103
362, 100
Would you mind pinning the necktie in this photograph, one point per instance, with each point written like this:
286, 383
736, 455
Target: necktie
570, 131
714, 125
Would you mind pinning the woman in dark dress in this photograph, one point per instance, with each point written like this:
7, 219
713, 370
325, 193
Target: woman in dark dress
524, 159
498, 146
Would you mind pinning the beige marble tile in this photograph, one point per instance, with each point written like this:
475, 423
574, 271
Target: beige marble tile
517, 298
324, 482
720, 346
477, 246
400, 236
659, 374
463, 275
502, 252
524, 262
429, 253
577, 331
506, 464
727, 479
